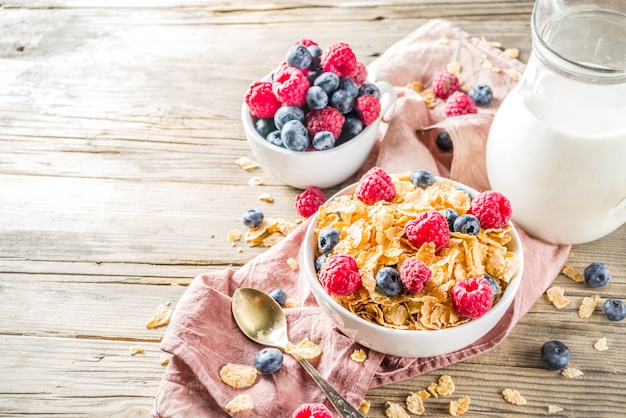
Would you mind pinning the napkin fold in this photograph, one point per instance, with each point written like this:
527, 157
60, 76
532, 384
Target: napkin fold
202, 336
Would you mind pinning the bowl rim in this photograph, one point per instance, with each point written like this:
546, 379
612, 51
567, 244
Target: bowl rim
496, 312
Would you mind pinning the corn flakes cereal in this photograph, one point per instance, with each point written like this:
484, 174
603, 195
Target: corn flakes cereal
572, 373
487, 63
364, 408
266, 197
511, 52
255, 181
239, 403
573, 274
415, 404
429, 98
513, 73
442, 41
555, 295
293, 264
416, 86
432, 389
587, 306
513, 397
234, 236
459, 406
358, 355
395, 410
269, 233
136, 349
445, 385
238, 375
306, 349
160, 318
553, 409
601, 344
423, 393
247, 163
164, 361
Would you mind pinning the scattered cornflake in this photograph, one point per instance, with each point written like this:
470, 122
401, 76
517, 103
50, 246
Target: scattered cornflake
553, 409
174, 284
239, 250
364, 408
487, 63
266, 197
247, 163
234, 236
513, 73
305, 349
269, 233
432, 389
587, 306
572, 373
466, 87
423, 393
571, 273
291, 303
358, 355
494, 44
442, 41
255, 181
136, 349
445, 385
513, 397
555, 295
240, 403
455, 68
429, 98
395, 410
601, 344
164, 360
460, 406
511, 52
160, 318
293, 264
417, 86
415, 404
238, 375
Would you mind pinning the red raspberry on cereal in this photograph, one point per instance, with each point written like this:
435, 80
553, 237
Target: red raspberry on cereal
492, 209
339, 59
428, 226
360, 73
312, 410
290, 86
325, 119
261, 100
309, 201
472, 298
414, 274
368, 108
374, 186
459, 104
340, 275
444, 84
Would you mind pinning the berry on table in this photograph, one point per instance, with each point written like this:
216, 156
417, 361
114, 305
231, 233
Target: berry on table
327, 239
459, 104
323, 140
481, 94
388, 281
614, 309
472, 298
299, 56
309, 201
450, 215
466, 224
428, 226
295, 136
279, 296
286, 113
415, 274
290, 86
368, 108
597, 274
374, 186
422, 178
444, 84
444, 142
326, 119
252, 218
268, 361
261, 100
339, 59
316, 98
492, 209
555, 355
340, 275
312, 410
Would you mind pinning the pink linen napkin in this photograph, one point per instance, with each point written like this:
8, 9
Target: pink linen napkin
203, 336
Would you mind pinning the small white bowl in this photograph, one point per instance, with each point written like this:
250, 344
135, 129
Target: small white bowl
317, 168
407, 343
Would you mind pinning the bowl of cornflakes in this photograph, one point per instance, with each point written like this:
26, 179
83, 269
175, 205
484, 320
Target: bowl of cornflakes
411, 264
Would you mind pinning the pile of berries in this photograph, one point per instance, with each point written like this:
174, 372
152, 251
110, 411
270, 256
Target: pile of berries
446, 86
315, 100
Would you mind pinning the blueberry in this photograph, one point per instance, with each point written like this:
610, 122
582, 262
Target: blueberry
596, 274
316, 54
555, 355
349, 86
316, 98
279, 296
275, 139
495, 288
268, 360
295, 136
369, 89
342, 101
327, 239
312, 75
323, 140
319, 262
252, 218
388, 281
422, 178
265, 126
466, 224
299, 56
328, 81
286, 113
444, 142
614, 309
352, 126
481, 94
450, 215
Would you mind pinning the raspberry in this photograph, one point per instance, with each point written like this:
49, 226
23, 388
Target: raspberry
360, 73
339, 59
429, 226
306, 42
459, 103
444, 84
340, 275
326, 119
290, 86
375, 185
309, 201
368, 108
261, 100
312, 410
492, 209
472, 297
414, 274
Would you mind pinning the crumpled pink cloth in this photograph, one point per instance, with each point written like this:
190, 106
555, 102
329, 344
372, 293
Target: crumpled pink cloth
202, 336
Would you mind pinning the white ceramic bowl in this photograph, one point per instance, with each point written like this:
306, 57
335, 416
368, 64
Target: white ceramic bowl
407, 343
317, 168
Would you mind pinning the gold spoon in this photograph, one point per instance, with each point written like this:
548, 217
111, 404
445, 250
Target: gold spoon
262, 320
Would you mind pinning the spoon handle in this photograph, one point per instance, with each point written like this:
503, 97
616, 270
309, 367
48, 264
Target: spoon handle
340, 403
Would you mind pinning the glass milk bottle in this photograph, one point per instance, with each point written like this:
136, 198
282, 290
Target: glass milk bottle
557, 145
